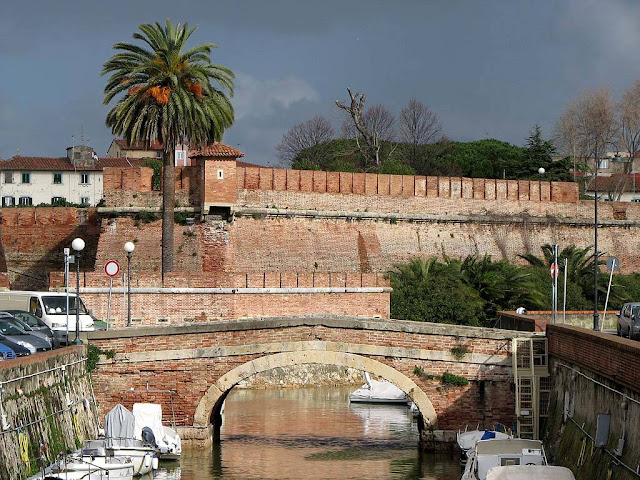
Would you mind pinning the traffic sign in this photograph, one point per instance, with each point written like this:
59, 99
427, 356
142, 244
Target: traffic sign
613, 264
554, 270
112, 268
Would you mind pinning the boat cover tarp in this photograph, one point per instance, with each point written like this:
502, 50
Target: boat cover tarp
530, 472
119, 426
488, 434
150, 415
375, 391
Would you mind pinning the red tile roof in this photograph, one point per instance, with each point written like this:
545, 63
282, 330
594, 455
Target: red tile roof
614, 182
217, 149
64, 164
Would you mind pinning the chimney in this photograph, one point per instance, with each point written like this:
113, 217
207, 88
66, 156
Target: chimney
81, 156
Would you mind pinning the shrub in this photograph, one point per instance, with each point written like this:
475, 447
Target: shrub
455, 380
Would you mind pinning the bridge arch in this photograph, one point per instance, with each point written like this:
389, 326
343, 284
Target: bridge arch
211, 403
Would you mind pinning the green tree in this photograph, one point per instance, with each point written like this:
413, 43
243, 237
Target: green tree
428, 291
170, 94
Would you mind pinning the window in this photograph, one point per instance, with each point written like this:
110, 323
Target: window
57, 178
603, 163
159, 155
58, 201
84, 178
220, 174
84, 200
181, 155
25, 201
8, 177
8, 201
26, 177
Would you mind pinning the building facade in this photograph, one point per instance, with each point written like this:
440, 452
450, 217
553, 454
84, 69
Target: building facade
121, 149
76, 178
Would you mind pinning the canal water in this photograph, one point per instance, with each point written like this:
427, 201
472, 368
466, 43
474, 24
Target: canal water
312, 433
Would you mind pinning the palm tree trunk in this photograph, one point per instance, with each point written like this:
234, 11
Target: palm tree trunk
168, 205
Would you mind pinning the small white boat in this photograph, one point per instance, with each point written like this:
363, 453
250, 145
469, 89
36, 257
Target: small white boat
468, 439
86, 466
148, 417
530, 472
120, 440
502, 452
378, 392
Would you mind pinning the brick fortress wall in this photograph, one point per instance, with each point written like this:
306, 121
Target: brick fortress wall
193, 298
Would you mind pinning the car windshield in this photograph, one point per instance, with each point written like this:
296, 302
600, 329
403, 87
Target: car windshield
18, 323
58, 305
29, 318
8, 329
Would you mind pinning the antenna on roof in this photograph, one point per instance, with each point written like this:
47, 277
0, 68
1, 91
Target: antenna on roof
18, 151
82, 134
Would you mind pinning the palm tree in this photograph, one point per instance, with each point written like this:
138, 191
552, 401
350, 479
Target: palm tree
170, 95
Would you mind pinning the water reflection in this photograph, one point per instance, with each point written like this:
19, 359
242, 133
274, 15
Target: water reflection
311, 433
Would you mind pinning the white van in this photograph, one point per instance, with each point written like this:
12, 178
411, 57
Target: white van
51, 307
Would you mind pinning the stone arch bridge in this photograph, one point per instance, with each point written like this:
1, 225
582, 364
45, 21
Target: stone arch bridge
190, 369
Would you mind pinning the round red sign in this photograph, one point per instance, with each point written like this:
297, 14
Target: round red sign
112, 268
554, 270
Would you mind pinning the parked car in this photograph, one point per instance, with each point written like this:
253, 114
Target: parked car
18, 335
6, 352
36, 325
629, 320
18, 349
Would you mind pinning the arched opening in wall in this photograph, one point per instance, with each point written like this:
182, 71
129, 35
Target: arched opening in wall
211, 404
299, 421
217, 212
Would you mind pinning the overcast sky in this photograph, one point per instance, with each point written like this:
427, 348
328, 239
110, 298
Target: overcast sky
486, 68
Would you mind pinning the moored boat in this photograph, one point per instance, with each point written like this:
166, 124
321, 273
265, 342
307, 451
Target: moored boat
530, 472
468, 439
148, 426
502, 452
91, 464
378, 392
120, 440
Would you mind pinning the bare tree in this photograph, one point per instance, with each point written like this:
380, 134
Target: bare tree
588, 125
303, 135
629, 109
371, 127
418, 124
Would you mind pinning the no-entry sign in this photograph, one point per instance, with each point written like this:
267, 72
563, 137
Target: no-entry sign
112, 268
554, 270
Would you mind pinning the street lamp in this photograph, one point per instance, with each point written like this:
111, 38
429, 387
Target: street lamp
596, 320
78, 246
129, 247
541, 171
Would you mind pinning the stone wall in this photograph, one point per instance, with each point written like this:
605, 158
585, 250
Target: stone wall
593, 373
33, 239
48, 398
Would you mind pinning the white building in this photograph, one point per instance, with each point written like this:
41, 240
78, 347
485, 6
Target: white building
76, 178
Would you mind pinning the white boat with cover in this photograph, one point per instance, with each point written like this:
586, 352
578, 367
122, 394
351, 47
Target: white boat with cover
148, 426
378, 392
120, 440
468, 439
502, 452
530, 472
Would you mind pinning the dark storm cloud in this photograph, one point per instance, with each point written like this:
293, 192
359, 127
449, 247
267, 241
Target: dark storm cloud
491, 68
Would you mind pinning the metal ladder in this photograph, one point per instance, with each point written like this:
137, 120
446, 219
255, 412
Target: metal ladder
531, 378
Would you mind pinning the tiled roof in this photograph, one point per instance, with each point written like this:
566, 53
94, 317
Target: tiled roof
217, 149
64, 164
242, 164
614, 182
138, 146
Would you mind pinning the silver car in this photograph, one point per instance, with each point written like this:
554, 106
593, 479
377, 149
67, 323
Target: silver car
19, 336
629, 320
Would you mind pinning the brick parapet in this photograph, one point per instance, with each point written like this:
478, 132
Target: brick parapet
255, 178
612, 357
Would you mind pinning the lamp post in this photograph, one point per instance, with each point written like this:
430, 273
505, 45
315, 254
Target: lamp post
596, 322
129, 247
78, 246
